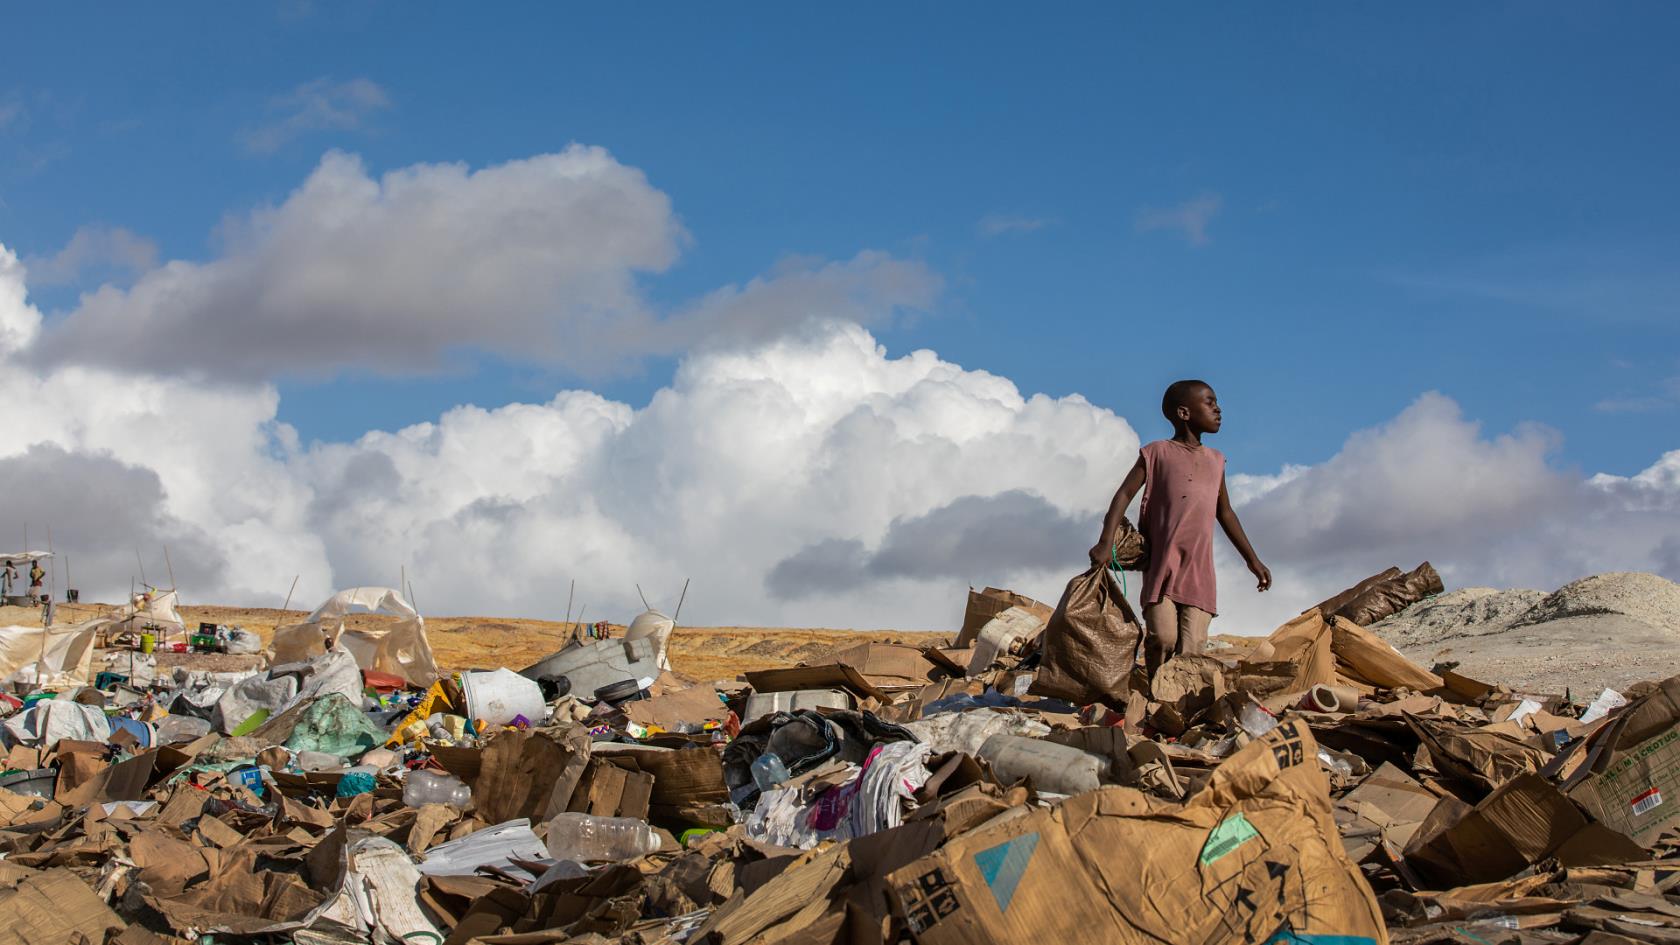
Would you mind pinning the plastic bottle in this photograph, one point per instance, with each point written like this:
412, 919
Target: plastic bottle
433, 787
768, 771
587, 838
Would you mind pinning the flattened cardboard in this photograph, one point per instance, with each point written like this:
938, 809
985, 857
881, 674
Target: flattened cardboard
1254, 857
952, 660
886, 664
53, 908
1391, 798
1478, 757
124, 781
696, 704
827, 676
1369, 659
792, 900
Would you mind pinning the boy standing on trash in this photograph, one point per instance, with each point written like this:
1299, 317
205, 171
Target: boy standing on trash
1183, 485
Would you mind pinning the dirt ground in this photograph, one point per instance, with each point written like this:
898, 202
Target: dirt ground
701, 653
489, 642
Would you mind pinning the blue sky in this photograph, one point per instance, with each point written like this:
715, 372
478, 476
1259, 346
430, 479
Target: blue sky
599, 274
1476, 199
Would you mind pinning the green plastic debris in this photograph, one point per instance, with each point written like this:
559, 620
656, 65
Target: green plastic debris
334, 725
250, 724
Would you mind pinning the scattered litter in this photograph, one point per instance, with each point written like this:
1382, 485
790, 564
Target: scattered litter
1026, 781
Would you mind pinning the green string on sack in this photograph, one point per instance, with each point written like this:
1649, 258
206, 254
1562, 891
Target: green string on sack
1114, 565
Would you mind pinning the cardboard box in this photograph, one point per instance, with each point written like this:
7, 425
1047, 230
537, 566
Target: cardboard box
611, 790
1255, 857
986, 604
1629, 775
1526, 820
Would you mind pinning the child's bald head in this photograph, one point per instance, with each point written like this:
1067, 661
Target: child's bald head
1181, 394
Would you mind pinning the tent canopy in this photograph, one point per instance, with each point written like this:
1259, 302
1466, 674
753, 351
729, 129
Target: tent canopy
24, 557
48, 656
400, 648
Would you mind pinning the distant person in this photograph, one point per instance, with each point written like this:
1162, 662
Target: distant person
36, 593
1183, 485
9, 578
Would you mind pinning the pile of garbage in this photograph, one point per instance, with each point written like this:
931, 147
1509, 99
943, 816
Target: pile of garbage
1022, 782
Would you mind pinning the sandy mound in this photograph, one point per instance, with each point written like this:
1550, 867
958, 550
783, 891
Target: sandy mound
1644, 597
1471, 611
1608, 630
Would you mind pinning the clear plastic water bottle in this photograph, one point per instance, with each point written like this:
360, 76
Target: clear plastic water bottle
590, 839
768, 771
434, 787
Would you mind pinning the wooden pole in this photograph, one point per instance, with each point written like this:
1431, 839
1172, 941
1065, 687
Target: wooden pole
142, 565
288, 602
167, 563
46, 619
680, 602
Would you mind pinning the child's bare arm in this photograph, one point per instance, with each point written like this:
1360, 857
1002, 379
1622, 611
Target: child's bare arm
1233, 530
1116, 511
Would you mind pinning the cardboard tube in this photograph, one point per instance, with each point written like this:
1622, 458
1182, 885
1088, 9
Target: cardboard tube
1322, 698
1347, 696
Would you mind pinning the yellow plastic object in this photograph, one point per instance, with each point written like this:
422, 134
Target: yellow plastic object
412, 730
433, 702
148, 643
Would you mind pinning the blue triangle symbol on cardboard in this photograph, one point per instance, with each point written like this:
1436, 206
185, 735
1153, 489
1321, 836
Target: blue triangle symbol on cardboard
1003, 865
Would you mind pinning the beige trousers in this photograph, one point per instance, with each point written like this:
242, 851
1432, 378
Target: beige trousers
1174, 629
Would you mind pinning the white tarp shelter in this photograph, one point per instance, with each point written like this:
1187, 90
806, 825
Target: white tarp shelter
399, 648
48, 656
159, 611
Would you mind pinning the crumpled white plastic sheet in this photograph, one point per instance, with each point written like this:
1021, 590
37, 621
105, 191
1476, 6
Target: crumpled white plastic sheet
967, 731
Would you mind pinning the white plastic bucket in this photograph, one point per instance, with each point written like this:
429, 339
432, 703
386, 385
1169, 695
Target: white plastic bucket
498, 697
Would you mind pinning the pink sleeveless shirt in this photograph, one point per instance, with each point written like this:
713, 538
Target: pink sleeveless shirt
1180, 499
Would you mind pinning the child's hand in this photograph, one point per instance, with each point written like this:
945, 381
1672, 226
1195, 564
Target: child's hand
1099, 554
1261, 573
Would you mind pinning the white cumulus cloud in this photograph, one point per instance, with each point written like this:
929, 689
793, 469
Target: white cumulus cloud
534, 260
531, 259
